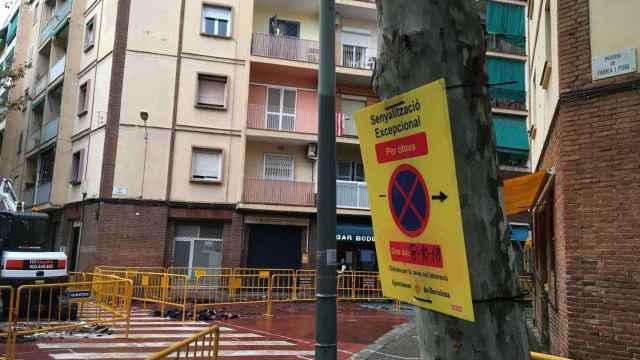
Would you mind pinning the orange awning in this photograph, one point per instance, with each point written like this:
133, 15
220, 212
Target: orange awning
520, 193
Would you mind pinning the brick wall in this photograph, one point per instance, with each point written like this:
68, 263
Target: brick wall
594, 146
233, 238
132, 235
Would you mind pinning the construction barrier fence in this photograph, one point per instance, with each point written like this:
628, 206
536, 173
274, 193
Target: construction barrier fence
202, 346
85, 299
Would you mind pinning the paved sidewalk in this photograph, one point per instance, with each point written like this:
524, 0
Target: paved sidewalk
400, 343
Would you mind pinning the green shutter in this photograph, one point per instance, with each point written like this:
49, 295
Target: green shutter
504, 70
13, 28
505, 18
511, 134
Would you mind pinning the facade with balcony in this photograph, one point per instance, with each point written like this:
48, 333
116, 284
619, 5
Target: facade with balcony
506, 45
280, 185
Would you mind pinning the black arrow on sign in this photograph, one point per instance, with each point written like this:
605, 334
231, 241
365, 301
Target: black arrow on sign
442, 197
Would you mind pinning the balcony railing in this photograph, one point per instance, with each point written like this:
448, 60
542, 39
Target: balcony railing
358, 57
57, 69
293, 120
349, 125
39, 136
50, 130
352, 195
61, 13
508, 99
279, 192
509, 44
284, 47
290, 48
27, 197
42, 193
33, 140
40, 84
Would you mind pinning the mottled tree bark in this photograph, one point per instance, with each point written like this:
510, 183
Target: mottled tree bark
422, 41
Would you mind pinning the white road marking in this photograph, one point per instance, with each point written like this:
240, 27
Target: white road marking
164, 328
221, 353
177, 336
161, 344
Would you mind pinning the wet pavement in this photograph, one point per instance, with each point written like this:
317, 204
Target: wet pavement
288, 335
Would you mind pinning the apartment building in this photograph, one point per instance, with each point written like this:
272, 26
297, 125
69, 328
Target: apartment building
188, 138
584, 111
506, 43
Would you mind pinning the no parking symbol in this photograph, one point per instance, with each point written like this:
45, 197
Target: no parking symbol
409, 200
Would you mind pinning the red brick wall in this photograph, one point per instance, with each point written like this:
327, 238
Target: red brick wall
232, 235
594, 147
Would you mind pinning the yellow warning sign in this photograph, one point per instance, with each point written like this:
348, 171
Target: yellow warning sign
406, 143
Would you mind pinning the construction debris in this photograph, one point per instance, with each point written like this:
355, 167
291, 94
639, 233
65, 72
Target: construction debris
84, 331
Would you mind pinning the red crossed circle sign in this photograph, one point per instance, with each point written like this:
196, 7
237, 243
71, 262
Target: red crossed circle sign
409, 200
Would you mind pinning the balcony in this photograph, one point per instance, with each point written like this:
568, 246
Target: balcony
34, 139
57, 69
61, 12
27, 197
352, 195
286, 48
279, 192
265, 117
37, 195
508, 44
358, 57
42, 193
42, 135
39, 85
50, 130
508, 99
308, 51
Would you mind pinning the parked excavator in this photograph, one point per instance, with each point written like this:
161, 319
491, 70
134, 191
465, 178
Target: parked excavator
27, 246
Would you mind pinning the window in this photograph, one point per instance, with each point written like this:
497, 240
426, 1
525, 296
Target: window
279, 27
216, 21
198, 246
89, 34
206, 165
77, 163
83, 98
281, 109
278, 167
350, 171
212, 91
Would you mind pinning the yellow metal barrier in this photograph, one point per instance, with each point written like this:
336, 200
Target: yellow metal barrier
540, 356
526, 285
195, 272
53, 307
201, 346
123, 269
230, 289
167, 290
7, 293
360, 287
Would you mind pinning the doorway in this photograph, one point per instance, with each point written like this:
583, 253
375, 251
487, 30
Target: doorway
76, 233
275, 246
197, 246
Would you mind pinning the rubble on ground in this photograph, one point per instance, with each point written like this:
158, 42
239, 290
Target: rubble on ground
202, 315
83, 331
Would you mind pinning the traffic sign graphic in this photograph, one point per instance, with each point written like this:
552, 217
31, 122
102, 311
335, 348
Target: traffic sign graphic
407, 152
409, 200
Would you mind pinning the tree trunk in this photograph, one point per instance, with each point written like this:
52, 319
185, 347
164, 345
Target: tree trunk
422, 41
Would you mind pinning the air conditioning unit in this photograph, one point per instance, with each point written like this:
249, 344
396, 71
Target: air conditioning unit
312, 151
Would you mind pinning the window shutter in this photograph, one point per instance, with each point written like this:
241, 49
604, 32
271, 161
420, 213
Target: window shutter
211, 91
215, 12
355, 37
206, 165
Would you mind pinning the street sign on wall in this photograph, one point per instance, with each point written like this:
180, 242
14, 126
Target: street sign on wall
614, 64
413, 191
